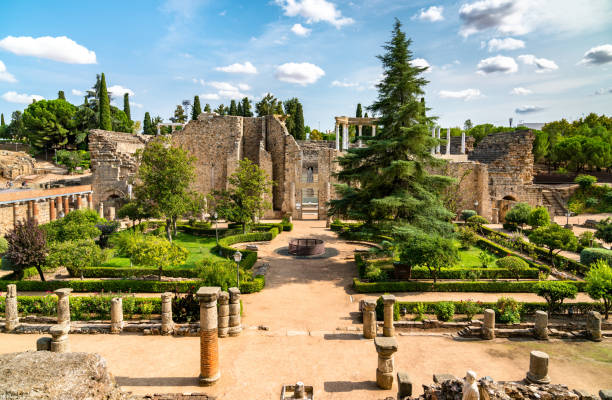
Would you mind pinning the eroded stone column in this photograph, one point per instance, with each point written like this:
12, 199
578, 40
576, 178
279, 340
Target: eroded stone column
101, 209
12, 315
167, 326
488, 326
385, 347
345, 136
369, 319
52, 214
593, 326
359, 134
111, 213
462, 142
337, 137
224, 314
538, 367
235, 325
541, 325
438, 137
389, 302
116, 315
209, 344
448, 140
63, 306
59, 338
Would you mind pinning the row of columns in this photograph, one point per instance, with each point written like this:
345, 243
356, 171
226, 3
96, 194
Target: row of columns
58, 207
346, 137
435, 133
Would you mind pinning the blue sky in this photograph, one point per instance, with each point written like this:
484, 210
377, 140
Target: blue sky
532, 60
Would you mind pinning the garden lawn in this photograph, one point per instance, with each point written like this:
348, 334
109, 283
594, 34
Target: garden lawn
469, 258
199, 248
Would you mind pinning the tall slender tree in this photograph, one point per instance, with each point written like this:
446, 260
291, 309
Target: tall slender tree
147, 127
386, 183
207, 108
246, 107
239, 109
126, 106
61, 95
366, 130
298, 121
196, 109
358, 112
104, 106
2, 120
232, 108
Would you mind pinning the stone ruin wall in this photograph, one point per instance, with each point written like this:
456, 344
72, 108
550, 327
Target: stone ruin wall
15, 164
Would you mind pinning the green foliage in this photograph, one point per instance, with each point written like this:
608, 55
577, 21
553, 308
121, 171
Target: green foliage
3, 245
433, 251
196, 109
485, 258
27, 247
555, 292
147, 126
104, 106
538, 217
124, 243
470, 309
419, 310
126, 106
467, 237
599, 284
267, 106
464, 286
445, 310
513, 264
295, 119
75, 255
519, 214
76, 225
585, 239
508, 310
585, 181
158, 252
554, 237
186, 308
590, 255
233, 110
246, 107
466, 214
221, 273
604, 230
49, 124
73, 159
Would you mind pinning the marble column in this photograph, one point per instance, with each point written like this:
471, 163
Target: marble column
448, 140
369, 319
389, 303
462, 142
337, 137
12, 315
538, 367
488, 326
101, 209
433, 136
209, 343
438, 137
541, 325
345, 137
373, 130
52, 214
593, 326
167, 326
224, 314
63, 305
359, 134
116, 315
235, 325
385, 347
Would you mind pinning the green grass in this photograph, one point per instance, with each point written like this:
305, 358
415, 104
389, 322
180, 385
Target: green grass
469, 258
198, 247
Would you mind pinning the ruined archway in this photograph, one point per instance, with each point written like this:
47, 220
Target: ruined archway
504, 205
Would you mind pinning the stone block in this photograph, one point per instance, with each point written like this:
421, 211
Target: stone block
384, 380
605, 394
439, 378
404, 385
584, 395
385, 344
43, 344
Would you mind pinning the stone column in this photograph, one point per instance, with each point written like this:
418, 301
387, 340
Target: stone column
52, 214
235, 326
101, 209
373, 130
462, 142
438, 137
337, 137
385, 347
541, 325
448, 139
12, 315
359, 134
433, 136
111, 213
66, 204
538, 367
63, 305
389, 302
89, 200
224, 314
79, 202
58, 204
167, 326
209, 344
488, 327
292, 197
369, 319
59, 338
35, 212
15, 213
593, 326
116, 315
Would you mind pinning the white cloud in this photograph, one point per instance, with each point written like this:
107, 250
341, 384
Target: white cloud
432, 14
6, 76
76, 92
61, 48
315, 11
602, 91
497, 64
598, 55
542, 64
505, 44
300, 30
119, 91
226, 90
421, 62
344, 84
209, 96
466, 95
196, 80
243, 86
503, 15
520, 91
237, 68
137, 105
223, 86
300, 73
14, 97
528, 109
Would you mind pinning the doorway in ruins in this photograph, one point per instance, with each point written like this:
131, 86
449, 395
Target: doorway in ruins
310, 203
505, 205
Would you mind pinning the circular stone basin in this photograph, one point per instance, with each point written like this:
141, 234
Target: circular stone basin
306, 247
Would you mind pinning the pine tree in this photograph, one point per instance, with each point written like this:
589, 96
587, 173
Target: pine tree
2, 120
207, 108
104, 105
385, 184
239, 109
61, 95
298, 122
279, 108
246, 107
358, 113
126, 106
221, 110
196, 109
147, 127
232, 109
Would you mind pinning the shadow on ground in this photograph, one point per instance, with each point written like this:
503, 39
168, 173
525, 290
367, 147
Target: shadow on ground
348, 386
157, 381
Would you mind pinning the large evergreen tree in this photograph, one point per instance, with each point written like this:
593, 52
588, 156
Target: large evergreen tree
147, 127
2, 120
267, 106
196, 109
358, 112
207, 108
246, 107
385, 183
126, 106
298, 122
239, 109
61, 95
179, 115
104, 106
233, 110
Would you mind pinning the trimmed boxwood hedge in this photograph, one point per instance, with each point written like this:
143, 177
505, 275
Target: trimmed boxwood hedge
502, 251
117, 272
589, 255
527, 308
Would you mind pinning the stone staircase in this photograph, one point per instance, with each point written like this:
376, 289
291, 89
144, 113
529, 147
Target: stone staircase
554, 202
471, 331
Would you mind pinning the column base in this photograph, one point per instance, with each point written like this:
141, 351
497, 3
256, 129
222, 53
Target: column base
11, 325
61, 346
488, 334
538, 379
595, 337
235, 331
384, 380
388, 332
167, 329
116, 327
208, 381
223, 332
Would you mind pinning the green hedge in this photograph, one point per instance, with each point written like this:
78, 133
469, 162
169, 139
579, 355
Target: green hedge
113, 272
208, 232
528, 308
249, 257
476, 286
590, 254
502, 251
256, 285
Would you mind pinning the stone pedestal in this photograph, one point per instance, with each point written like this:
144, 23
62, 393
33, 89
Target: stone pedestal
63, 305
167, 326
12, 315
488, 327
224, 314
538, 367
235, 325
59, 338
116, 315
299, 391
404, 386
43, 344
385, 347
369, 319
389, 302
209, 344
541, 325
593, 326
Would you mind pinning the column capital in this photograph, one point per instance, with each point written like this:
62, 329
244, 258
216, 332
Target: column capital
208, 294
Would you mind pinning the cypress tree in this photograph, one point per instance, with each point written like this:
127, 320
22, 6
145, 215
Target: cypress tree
385, 184
232, 109
61, 95
2, 120
104, 104
246, 108
358, 113
147, 127
239, 108
196, 109
126, 106
207, 108
298, 122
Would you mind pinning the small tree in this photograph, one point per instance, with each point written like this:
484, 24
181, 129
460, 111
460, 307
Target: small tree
554, 237
538, 217
585, 181
196, 109
433, 251
604, 230
513, 264
245, 200
157, 252
27, 247
519, 214
555, 292
599, 284
76, 225
467, 237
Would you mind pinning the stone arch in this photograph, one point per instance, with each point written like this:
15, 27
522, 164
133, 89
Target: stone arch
504, 205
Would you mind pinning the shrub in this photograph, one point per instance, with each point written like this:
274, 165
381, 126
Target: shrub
3, 245
432, 251
445, 310
585, 239
75, 255
519, 214
186, 308
380, 306
585, 181
485, 258
476, 221
419, 310
466, 214
604, 230
467, 237
513, 264
470, 309
599, 284
76, 225
590, 255
554, 237
220, 273
591, 202
508, 310
538, 217
158, 252
126, 242
27, 247
555, 292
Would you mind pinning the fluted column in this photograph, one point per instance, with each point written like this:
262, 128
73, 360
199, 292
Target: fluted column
209, 344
